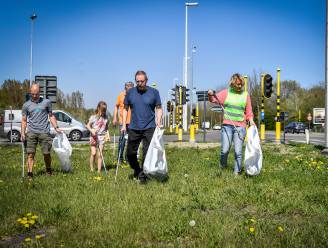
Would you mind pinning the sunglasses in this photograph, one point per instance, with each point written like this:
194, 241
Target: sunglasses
140, 82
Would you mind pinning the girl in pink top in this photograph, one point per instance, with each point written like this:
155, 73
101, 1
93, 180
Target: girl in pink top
238, 111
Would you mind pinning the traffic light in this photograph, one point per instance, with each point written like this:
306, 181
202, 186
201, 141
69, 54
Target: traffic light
185, 95
267, 85
175, 95
168, 105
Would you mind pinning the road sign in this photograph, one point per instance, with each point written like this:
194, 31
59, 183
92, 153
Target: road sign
318, 115
48, 87
217, 109
202, 96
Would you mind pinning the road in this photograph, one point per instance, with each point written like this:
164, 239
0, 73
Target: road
213, 136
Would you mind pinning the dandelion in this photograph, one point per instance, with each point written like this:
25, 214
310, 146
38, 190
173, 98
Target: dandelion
280, 229
38, 236
26, 225
252, 229
28, 239
19, 220
97, 178
24, 218
34, 217
32, 222
29, 214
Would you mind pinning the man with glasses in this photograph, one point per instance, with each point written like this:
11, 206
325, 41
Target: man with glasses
119, 106
143, 101
38, 112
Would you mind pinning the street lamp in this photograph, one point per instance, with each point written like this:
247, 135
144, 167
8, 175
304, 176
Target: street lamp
325, 151
193, 51
185, 78
32, 17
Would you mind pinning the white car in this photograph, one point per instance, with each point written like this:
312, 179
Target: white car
216, 127
12, 120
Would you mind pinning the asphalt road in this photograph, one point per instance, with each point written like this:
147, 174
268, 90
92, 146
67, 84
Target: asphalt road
213, 136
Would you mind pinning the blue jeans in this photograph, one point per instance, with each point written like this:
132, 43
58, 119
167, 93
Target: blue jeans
236, 135
121, 144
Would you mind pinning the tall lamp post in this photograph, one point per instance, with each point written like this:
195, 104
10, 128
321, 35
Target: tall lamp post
193, 51
325, 151
185, 76
32, 17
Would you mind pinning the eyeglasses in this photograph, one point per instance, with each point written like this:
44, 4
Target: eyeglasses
140, 82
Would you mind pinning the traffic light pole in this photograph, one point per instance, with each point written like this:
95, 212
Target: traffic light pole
262, 129
197, 116
180, 130
278, 124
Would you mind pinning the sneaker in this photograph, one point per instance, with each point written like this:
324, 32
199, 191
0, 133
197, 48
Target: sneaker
237, 174
49, 172
124, 165
30, 176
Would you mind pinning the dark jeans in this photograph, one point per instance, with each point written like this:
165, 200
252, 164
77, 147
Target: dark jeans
134, 140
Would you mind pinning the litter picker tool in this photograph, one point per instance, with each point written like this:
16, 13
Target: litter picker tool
118, 162
23, 156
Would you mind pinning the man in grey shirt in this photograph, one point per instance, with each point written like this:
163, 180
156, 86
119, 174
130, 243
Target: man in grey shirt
37, 110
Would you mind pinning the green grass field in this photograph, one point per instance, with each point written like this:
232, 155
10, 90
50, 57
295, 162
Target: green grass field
199, 206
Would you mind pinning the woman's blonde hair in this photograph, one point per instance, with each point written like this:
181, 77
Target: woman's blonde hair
101, 109
234, 78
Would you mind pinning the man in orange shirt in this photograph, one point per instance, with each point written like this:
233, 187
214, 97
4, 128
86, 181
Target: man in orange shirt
119, 106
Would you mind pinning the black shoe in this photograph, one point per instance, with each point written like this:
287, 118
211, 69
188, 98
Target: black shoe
142, 178
30, 176
49, 172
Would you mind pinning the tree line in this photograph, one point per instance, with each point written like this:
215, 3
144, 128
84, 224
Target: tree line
12, 94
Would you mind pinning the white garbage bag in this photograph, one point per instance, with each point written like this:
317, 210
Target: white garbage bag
155, 162
253, 152
63, 149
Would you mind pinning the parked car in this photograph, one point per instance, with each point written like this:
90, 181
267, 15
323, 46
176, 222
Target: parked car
206, 125
73, 128
216, 127
295, 127
12, 120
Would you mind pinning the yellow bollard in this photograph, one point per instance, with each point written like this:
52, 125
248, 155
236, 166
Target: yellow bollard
262, 132
192, 133
180, 132
278, 128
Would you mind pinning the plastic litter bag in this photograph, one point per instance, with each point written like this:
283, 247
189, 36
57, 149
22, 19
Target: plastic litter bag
253, 152
155, 164
63, 149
